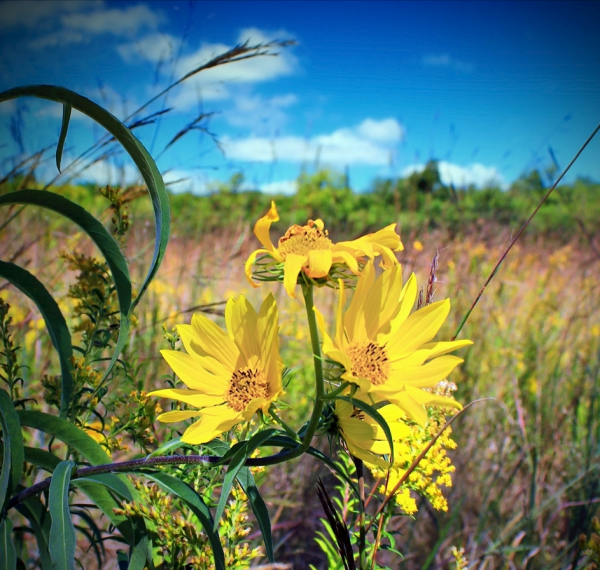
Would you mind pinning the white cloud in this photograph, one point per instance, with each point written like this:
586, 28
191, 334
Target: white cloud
369, 143
263, 115
385, 131
75, 22
153, 47
115, 21
477, 174
445, 60
286, 187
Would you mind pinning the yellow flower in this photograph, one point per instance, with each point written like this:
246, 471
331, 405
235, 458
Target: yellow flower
309, 249
385, 350
364, 437
229, 376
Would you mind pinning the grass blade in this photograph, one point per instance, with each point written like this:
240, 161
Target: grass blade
55, 323
12, 454
62, 532
8, 554
63, 134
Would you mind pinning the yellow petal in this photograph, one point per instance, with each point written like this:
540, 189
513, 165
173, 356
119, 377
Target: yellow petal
242, 323
354, 319
215, 341
192, 397
433, 350
429, 399
192, 374
319, 263
177, 416
425, 376
261, 231
410, 406
347, 258
291, 269
212, 365
214, 422
248, 266
268, 336
417, 329
329, 348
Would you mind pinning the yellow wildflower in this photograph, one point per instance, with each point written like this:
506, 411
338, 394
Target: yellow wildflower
309, 250
385, 350
229, 375
364, 437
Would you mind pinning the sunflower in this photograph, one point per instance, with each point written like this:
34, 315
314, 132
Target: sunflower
308, 249
386, 351
229, 375
364, 437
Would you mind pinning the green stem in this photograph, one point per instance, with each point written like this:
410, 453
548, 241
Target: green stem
286, 427
332, 395
362, 537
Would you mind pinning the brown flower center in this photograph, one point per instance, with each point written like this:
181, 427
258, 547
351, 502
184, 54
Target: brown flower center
302, 239
370, 361
245, 385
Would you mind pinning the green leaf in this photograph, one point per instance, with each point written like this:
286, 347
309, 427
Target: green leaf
112, 481
165, 448
62, 532
8, 555
104, 500
66, 432
99, 235
135, 149
236, 463
259, 508
138, 555
63, 134
197, 506
371, 411
33, 510
55, 323
41, 458
12, 454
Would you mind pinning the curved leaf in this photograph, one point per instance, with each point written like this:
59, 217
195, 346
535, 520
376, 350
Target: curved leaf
33, 510
55, 323
90, 225
40, 458
12, 454
139, 554
66, 432
259, 508
62, 532
8, 554
63, 134
371, 411
135, 149
99, 235
197, 506
236, 463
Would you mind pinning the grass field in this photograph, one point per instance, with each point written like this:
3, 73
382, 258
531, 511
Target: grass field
526, 484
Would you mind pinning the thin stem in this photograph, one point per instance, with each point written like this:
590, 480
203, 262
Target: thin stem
502, 258
331, 395
285, 426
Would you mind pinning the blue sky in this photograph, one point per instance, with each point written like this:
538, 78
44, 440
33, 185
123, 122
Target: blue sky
373, 88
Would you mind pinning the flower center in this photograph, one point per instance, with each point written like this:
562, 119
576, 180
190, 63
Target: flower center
302, 239
370, 361
245, 385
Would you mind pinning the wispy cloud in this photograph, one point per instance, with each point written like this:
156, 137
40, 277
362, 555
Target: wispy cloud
445, 60
212, 84
261, 114
476, 174
369, 143
67, 23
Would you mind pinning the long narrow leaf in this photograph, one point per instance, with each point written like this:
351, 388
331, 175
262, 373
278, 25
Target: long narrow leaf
138, 555
236, 463
66, 432
259, 508
197, 506
12, 454
55, 323
63, 134
8, 555
62, 532
39, 521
